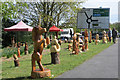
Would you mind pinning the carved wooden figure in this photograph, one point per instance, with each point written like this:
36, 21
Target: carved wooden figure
48, 40
104, 38
78, 39
16, 61
60, 42
55, 48
18, 47
97, 39
39, 43
86, 39
26, 48
90, 37
69, 47
75, 46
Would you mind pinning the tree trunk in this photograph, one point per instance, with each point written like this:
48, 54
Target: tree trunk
16, 62
40, 74
55, 58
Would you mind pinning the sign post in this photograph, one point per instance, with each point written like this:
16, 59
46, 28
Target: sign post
93, 18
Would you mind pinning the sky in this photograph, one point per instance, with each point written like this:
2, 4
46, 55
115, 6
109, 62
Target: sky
112, 4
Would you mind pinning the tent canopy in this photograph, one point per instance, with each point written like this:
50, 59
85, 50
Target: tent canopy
54, 29
21, 26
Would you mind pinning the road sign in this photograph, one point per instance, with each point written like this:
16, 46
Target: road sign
93, 18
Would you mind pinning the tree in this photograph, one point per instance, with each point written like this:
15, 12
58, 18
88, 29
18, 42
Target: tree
116, 26
51, 12
11, 14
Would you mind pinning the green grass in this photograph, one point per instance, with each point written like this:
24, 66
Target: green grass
67, 62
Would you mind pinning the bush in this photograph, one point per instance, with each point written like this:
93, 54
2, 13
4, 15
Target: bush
9, 51
30, 49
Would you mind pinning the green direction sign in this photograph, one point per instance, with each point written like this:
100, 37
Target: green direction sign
100, 12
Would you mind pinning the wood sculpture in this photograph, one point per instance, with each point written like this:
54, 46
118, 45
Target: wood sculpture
16, 61
39, 43
75, 46
69, 47
55, 48
60, 42
45, 43
47, 40
83, 45
104, 38
86, 39
78, 39
90, 37
71, 41
97, 39
26, 48
18, 47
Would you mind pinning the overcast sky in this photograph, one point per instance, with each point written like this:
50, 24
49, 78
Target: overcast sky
112, 4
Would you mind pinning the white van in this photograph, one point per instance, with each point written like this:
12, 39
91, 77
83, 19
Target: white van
67, 33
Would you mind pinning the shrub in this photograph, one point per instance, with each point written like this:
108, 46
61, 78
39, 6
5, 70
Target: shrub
9, 51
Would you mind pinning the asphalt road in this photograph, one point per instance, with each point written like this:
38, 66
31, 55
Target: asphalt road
103, 65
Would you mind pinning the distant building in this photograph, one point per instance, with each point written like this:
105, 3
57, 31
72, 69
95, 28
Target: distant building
119, 11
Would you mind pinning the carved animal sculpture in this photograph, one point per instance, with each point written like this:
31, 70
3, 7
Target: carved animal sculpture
39, 43
86, 39
104, 38
55, 47
97, 39
75, 46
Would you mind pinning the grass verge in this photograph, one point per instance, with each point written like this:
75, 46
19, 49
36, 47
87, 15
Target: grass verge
67, 62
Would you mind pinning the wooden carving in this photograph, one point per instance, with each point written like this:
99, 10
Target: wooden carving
38, 47
16, 61
55, 48
90, 37
97, 39
18, 47
104, 38
26, 48
48, 40
86, 39
75, 46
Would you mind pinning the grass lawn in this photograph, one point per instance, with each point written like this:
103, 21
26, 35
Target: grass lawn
67, 62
